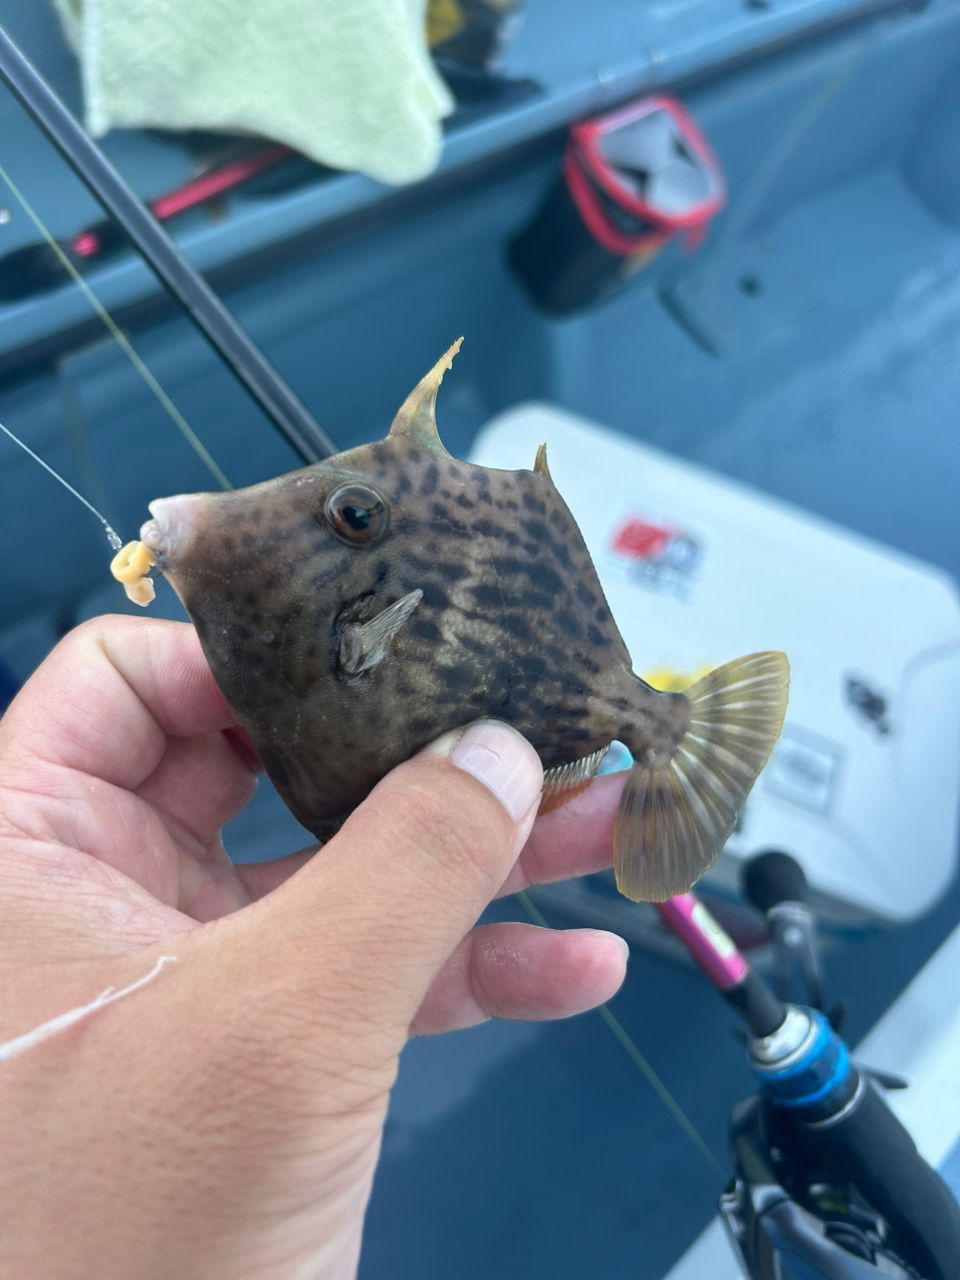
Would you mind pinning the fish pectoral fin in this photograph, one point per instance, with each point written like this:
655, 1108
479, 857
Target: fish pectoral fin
364, 644
675, 818
565, 780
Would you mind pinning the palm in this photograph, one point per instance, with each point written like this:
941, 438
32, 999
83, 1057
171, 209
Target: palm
161, 840
114, 801
118, 773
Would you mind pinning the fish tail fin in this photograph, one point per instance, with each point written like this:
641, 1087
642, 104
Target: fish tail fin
675, 819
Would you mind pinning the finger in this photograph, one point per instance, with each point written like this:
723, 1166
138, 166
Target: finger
404, 879
575, 839
200, 784
519, 971
150, 677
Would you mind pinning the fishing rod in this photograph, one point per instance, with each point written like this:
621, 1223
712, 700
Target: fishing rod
216, 323
828, 1183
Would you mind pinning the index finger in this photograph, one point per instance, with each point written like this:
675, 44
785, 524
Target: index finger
109, 696
574, 839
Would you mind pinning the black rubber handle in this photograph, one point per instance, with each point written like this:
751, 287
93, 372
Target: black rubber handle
773, 877
868, 1146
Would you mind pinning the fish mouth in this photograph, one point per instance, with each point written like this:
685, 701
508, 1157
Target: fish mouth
171, 530
153, 535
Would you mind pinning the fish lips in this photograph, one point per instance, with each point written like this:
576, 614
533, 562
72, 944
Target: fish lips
173, 528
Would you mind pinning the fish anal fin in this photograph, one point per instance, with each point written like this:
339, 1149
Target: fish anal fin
363, 645
540, 463
675, 819
565, 780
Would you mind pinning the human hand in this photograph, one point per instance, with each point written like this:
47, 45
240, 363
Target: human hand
225, 1120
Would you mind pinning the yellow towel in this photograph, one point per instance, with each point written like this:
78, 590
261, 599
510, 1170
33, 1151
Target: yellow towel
347, 82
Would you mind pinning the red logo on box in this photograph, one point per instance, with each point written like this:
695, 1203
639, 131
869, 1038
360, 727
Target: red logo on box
661, 557
640, 540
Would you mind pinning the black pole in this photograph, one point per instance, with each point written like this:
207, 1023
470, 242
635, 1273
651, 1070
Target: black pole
233, 345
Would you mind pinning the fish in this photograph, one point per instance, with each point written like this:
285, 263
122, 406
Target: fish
354, 610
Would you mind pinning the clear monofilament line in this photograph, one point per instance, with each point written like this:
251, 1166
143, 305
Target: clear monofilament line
118, 336
626, 1043
116, 542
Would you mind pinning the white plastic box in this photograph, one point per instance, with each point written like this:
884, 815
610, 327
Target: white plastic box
864, 786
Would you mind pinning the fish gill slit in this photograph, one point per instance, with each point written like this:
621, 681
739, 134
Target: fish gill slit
288, 685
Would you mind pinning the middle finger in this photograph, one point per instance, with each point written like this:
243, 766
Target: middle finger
198, 786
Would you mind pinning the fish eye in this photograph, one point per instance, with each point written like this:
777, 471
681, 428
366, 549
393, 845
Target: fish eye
356, 514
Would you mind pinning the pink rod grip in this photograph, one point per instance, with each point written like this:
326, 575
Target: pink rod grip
712, 948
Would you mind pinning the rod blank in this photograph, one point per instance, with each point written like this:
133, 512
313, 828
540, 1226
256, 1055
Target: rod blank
219, 327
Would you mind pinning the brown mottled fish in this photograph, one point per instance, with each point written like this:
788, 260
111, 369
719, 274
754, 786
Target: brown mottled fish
354, 610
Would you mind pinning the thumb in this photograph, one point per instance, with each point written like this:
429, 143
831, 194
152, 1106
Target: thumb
383, 904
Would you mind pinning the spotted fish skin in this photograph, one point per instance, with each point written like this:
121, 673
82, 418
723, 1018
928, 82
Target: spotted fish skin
513, 623
498, 612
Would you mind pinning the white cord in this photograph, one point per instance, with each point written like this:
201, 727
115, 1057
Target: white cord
47, 1030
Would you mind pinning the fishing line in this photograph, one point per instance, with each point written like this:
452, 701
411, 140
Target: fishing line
79, 432
116, 542
118, 336
627, 1044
